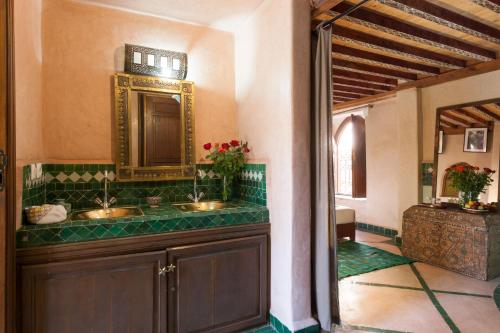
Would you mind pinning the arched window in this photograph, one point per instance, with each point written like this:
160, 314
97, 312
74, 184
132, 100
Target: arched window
350, 157
344, 161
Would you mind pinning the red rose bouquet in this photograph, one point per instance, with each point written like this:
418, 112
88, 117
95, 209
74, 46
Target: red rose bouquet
228, 161
470, 180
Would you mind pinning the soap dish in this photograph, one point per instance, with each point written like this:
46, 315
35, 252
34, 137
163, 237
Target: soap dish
154, 202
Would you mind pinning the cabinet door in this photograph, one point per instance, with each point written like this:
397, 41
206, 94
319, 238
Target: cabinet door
218, 287
112, 294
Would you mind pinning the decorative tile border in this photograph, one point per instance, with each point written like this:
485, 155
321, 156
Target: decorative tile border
33, 189
81, 184
376, 229
281, 328
252, 184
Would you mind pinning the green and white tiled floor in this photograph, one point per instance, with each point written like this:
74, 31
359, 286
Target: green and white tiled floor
416, 298
265, 329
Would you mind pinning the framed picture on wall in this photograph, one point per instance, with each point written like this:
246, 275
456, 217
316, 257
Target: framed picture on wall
476, 140
441, 142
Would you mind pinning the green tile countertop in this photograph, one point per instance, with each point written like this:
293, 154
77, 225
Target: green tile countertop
155, 221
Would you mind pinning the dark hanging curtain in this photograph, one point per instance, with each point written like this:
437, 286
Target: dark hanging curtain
325, 283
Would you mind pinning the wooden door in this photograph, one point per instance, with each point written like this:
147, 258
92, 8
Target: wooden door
218, 287
162, 130
7, 170
105, 295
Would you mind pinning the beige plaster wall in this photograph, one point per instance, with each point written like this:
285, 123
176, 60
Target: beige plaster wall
83, 46
272, 75
29, 98
392, 161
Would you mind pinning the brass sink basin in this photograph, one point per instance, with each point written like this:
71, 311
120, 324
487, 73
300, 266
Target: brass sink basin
203, 206
108, 213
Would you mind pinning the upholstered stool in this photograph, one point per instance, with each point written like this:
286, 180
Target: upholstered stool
346, 222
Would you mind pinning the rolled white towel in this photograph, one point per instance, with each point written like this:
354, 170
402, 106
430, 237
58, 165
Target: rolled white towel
46, 214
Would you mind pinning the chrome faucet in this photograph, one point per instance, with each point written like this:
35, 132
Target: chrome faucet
196, 196
105, 203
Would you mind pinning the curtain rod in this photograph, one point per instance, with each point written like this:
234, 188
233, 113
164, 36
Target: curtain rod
347, 12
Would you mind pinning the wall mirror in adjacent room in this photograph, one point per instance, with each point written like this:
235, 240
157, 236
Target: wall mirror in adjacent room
466, 134
154, 128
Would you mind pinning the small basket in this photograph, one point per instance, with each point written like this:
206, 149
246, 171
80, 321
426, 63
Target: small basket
36, 213
154, 202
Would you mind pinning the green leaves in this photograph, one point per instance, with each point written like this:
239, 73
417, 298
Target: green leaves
228, 161
470, 181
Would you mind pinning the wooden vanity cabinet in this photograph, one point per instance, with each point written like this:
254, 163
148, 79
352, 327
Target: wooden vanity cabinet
192, 284
112, 294
218, 287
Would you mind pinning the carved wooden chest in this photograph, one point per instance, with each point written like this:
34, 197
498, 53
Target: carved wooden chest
453, 239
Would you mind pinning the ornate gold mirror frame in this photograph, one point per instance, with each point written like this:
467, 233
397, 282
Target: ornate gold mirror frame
125, 84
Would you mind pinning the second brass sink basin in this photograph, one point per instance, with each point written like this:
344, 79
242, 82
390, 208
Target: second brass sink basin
108, 213
203, 206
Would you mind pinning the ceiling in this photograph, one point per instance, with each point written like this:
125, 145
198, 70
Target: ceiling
454, 120
389, 45
219, 14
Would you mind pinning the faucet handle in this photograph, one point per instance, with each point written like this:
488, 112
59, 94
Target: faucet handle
99, 201
201, 195
190, 197
112, 200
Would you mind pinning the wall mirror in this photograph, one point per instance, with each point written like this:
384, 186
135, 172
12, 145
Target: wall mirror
154, 128
466, 134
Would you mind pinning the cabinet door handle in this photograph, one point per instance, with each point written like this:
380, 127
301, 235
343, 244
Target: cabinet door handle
169, 269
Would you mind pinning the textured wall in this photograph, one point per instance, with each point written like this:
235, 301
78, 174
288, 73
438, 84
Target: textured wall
392, 161
272, 65
28, 71
83, 46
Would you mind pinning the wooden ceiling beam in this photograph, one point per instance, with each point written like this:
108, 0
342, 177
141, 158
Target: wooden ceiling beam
471, 115
374, 69
447, 123
493, 5
356, 90
472, 70
353, 83
456, 119
454, 131
364, 77
431, 12
324, 7
400, 29
341, 99
387, 45
375, 57
345, 94
487, 112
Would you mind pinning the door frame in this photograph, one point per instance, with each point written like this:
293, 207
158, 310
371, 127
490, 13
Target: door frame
7, 112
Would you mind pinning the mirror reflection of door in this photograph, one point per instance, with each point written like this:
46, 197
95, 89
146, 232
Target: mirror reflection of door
160, 122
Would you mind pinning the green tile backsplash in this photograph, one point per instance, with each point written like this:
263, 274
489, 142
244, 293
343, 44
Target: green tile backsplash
155, 221
426, 173
80, 184
34, 190
252, 184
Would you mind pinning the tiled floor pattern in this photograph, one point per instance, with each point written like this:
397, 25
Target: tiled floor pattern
416, 298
